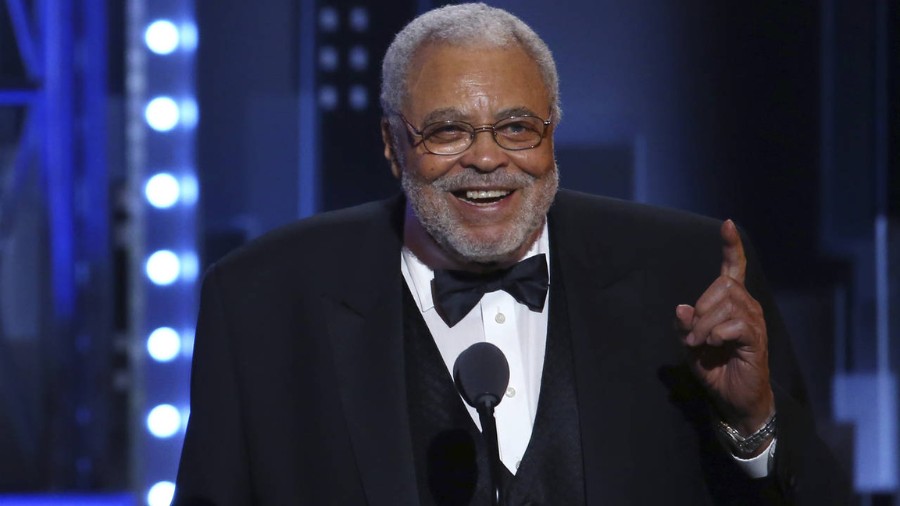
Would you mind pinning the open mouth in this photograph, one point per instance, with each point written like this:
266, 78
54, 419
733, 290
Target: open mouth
482, 197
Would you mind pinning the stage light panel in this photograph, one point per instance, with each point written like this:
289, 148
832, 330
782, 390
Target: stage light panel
161, 494
359, 58
359, 19
328, 97
328, 19
359, 97
162, 37
163, 267
164, 344
162, 190
164, 421
162, 114
328, 58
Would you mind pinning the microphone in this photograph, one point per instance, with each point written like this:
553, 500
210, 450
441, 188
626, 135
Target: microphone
481, 374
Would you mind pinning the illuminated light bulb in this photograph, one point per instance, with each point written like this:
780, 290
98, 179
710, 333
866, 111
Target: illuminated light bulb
163, 267
162, 190
162, 114
162, 37
164, 421
164, 344
161, 494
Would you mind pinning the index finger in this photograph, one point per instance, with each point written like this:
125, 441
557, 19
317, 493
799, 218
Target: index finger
734, 262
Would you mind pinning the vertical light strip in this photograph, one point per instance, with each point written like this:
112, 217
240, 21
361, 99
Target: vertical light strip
881, 146
163, 182
308, 191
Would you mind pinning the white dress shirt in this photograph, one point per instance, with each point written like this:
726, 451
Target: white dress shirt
521, 334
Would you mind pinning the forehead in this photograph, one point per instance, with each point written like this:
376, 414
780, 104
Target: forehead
474, 82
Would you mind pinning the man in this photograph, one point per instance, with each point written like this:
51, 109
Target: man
655, 369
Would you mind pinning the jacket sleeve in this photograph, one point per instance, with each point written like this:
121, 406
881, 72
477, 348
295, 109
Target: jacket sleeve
805, 472
213, 467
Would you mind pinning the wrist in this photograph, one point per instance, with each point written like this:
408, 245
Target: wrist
747, 445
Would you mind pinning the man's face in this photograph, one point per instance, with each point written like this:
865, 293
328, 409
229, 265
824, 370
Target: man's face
486, 204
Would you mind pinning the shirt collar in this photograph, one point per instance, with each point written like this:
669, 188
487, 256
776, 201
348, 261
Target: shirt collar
418, 275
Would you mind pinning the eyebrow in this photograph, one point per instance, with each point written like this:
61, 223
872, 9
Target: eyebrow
454, 114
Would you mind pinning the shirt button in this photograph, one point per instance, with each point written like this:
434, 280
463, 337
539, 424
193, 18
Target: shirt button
510, 392
518, 463
500, 318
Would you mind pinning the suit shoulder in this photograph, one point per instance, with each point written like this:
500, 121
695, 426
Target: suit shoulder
324, 239
611, 214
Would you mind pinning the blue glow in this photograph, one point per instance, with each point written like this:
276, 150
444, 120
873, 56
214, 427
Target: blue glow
328, 97
164, 421
162, 37
328, 19
359, 97
189, 190
359, 19
190, 266
189, 113
56, 499
164, 344
359, 58
162, 114
163, 267
189, 36
162, 190
161, 494
328, 58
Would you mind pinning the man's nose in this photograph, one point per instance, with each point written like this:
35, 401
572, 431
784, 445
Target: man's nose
485, 155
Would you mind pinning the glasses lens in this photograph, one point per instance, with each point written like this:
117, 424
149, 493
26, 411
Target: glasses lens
449, 137
521, 132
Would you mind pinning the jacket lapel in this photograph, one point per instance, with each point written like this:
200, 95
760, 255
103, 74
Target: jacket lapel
364, 316
604, 285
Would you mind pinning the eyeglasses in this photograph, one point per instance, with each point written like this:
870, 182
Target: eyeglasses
453, 137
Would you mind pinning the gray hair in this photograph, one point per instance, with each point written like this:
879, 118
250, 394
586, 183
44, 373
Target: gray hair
463, 24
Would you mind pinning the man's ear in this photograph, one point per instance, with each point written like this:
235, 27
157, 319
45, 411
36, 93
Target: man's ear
390, 153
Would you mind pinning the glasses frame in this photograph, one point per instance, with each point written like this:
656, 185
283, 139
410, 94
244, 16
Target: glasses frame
475, 130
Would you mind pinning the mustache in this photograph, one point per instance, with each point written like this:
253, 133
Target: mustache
474, 179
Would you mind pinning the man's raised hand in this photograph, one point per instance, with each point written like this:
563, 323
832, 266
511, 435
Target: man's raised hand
725, 332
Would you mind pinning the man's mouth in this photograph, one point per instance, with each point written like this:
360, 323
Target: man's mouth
482, 197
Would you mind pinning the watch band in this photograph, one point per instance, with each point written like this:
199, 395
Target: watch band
746, 445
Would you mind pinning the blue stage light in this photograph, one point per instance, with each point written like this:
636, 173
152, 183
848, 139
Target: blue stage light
162, 190
162, 114
189, 114
162, 37
328, 97
164, 421
359, 19
163, 267
328, 19
161, 494
328, 58
359, 58
189, 189
359, 97
164, 344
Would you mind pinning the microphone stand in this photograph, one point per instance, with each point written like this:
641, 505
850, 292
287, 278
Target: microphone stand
489, 433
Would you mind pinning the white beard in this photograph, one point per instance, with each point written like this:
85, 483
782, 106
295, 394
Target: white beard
430, 202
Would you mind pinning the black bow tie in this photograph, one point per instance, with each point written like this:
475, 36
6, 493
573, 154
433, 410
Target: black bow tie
455, 293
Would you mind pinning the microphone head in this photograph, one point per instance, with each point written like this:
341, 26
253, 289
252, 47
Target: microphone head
481, 373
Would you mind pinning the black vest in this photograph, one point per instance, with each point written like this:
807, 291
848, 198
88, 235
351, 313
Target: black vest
451, 461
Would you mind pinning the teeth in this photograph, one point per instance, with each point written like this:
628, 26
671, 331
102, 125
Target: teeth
486, 194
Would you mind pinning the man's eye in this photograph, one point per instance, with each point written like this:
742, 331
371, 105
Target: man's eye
516, 128
449, 131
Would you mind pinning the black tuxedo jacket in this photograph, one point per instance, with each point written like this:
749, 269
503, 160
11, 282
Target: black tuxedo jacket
298, 385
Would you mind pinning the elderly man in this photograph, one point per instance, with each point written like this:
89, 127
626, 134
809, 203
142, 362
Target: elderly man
653, 370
